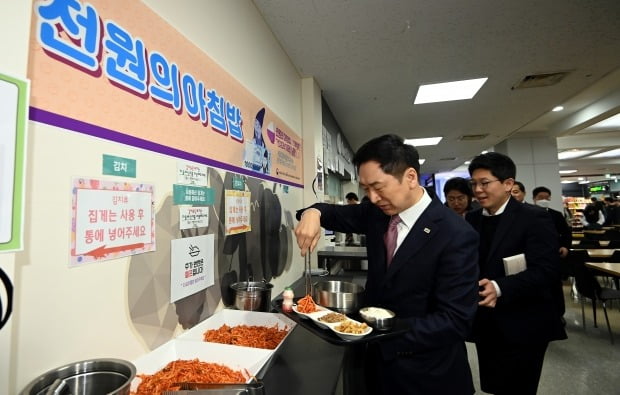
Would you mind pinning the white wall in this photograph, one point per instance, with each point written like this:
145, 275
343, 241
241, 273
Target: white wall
65, 315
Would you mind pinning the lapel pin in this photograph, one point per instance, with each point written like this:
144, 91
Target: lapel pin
427, 230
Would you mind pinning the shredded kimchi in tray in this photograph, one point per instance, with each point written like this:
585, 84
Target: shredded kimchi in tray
184, 371
247, 336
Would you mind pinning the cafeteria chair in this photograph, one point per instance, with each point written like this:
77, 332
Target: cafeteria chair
588, 287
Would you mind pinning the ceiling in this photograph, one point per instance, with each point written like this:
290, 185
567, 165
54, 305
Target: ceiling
370, 56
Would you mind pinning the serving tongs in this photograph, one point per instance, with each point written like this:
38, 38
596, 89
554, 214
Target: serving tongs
308, 273
217, 389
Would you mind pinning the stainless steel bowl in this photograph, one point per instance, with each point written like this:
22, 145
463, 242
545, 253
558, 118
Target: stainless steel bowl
341, 296
91, 377
377, 317
252, 295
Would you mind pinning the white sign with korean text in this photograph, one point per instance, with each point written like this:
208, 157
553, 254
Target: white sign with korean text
111, 220
191, 173
237, 206
191, 265
193, 217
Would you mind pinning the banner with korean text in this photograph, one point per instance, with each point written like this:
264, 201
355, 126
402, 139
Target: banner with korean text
116, 70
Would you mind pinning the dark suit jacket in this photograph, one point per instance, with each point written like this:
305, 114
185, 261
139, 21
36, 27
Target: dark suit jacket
431, 284
526, 312
564, 232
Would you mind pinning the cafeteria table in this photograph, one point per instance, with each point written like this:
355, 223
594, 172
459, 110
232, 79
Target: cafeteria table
611, 268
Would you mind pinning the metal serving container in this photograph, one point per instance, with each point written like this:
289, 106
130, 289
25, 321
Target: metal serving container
341, 296
90, 377
252, 295
383, 322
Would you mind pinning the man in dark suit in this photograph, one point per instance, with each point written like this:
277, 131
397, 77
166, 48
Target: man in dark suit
518, 314
430, 281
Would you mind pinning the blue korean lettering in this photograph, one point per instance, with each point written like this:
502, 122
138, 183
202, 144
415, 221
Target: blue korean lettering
215, 104
190, 95
202, 103
233, 115
80, 23
164, 86
125, 58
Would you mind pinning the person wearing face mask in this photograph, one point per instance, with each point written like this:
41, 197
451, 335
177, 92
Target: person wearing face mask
542, 198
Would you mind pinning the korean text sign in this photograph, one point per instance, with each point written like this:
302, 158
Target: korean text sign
150, 80
110, 220
191, 265
237, 205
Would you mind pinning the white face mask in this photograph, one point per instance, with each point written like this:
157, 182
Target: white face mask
543, 203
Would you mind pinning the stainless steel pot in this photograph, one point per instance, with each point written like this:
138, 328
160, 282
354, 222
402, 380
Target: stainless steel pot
341, 296
252, 295
90, 377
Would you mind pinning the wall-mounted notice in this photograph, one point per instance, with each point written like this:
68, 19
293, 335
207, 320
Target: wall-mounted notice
13, 106
191, 265
193, 217
110, 220
189, 194
237, 206
191, 173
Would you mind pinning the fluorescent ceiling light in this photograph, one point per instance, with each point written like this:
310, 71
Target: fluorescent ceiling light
423, 141
611, 122
584, 182
574, 153
467, 162
557, 108
608, 154
448, 91
568, 171
421, 161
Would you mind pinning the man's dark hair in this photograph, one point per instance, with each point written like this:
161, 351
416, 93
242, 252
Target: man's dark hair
538, 190
520, 185
500, 165
460, 184
590, 212
392, 154
351, 196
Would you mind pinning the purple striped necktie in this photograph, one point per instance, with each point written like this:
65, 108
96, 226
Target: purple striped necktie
390, 238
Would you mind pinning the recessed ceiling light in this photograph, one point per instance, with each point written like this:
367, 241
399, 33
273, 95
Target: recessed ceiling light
467, 162
448, 91
423, 141
574, 153
568, 171
557, 108
421, 161
580, 178
584, 182
608, 154
484, 152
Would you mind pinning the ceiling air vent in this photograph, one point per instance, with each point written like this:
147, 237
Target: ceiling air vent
473, 137
539, 80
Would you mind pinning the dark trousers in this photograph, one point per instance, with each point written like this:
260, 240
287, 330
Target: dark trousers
507, 369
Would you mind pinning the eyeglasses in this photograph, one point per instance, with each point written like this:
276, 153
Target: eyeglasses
483, 184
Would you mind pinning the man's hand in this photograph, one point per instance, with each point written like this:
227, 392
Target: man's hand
488, 294
563, 252
308, 230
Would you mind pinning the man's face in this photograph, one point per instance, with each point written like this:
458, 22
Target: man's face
386, 191
517, 193
490, 192
542, 196
457, 201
